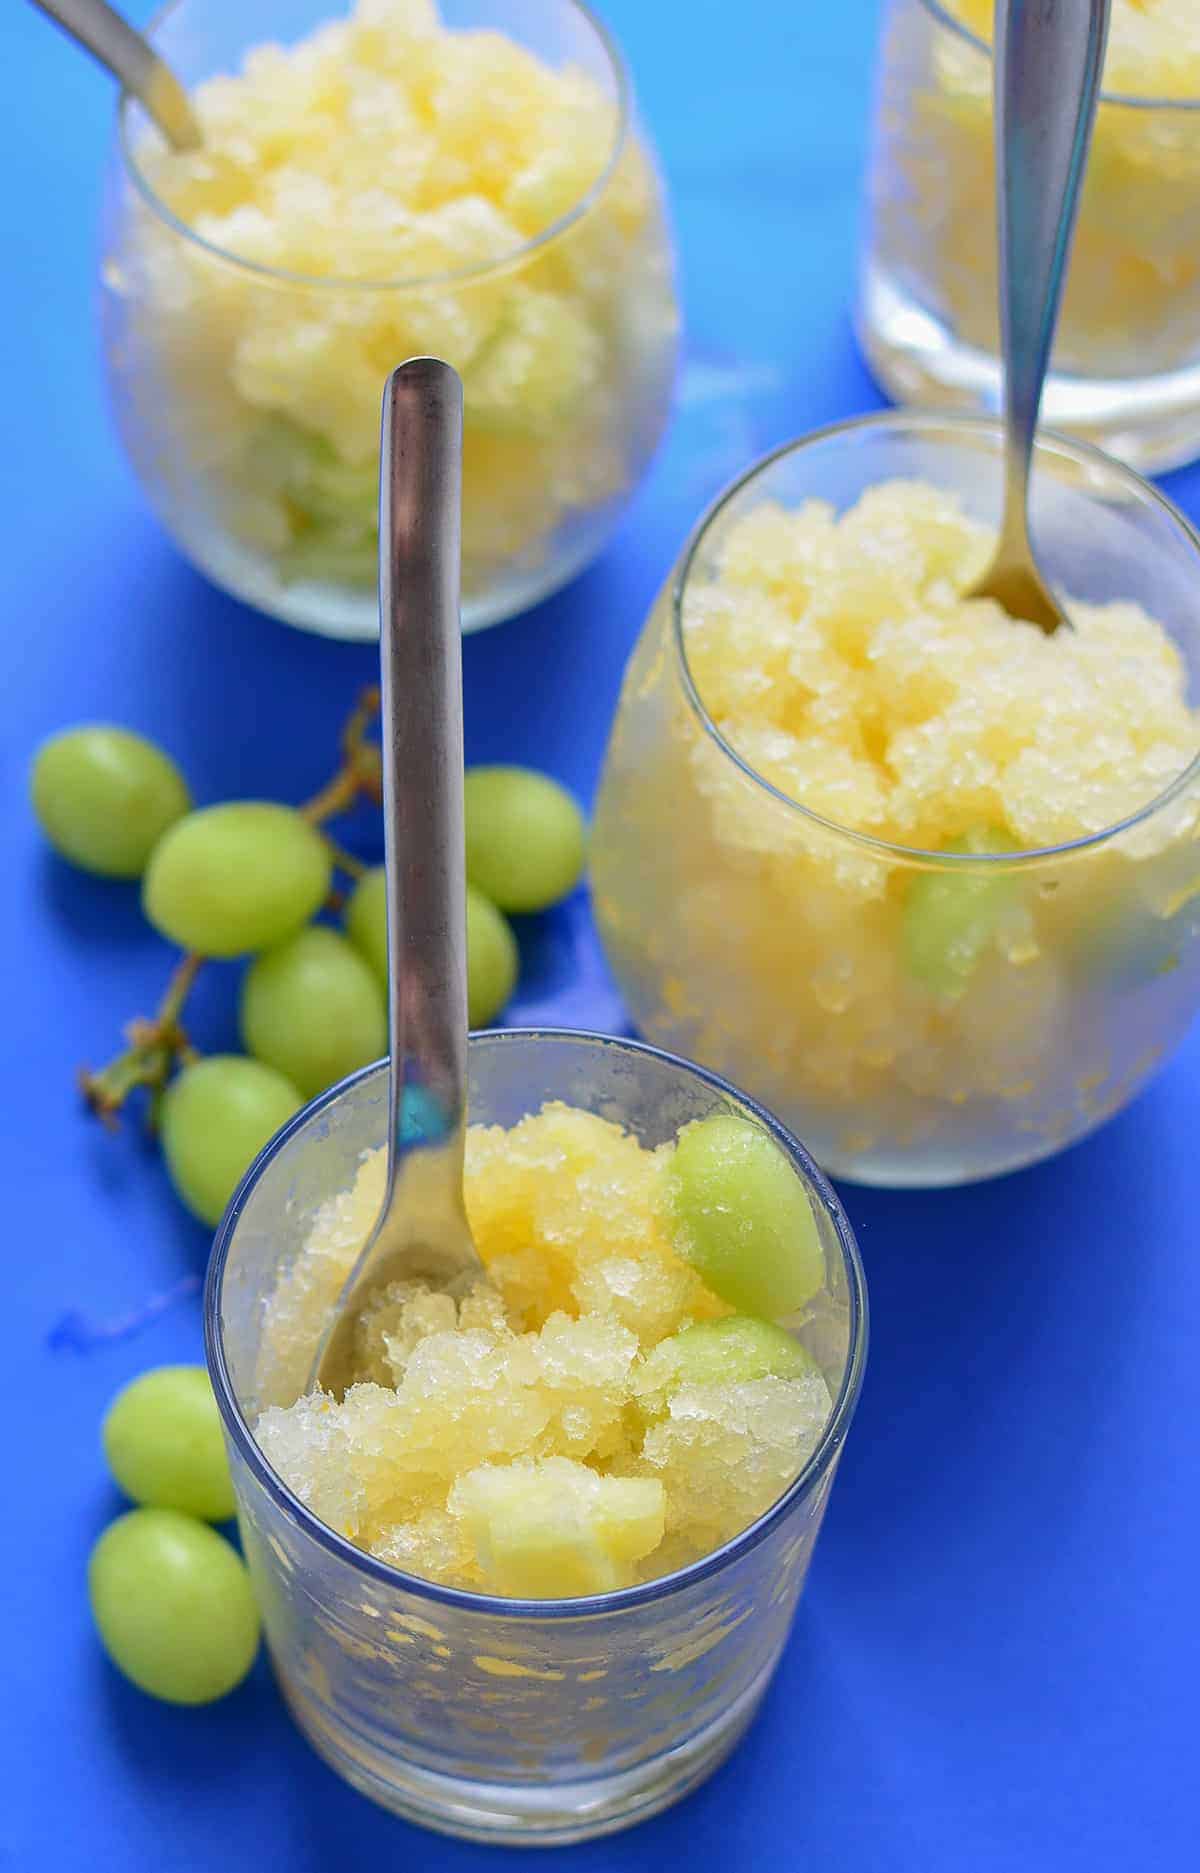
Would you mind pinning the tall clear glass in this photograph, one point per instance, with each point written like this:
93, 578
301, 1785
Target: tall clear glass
1126, 364
543, 1721
752, 934
247, 397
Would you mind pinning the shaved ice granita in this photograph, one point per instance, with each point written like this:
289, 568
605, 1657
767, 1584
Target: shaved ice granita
528, 1576
371, 187
924, 877
594, 1412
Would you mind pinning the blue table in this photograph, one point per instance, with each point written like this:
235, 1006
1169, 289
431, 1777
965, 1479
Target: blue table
995, 1666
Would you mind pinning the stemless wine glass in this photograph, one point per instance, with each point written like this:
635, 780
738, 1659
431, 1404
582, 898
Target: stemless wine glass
507, 1719
1126, 365
247, 396
769, 942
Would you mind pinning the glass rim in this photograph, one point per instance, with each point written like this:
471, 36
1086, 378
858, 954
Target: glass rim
818, 1466
1125, 100
459, 276
1049, 442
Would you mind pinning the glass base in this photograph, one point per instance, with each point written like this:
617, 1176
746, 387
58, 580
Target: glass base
1153, 423
973, 1161
342, 612
550, 1814
900, 1170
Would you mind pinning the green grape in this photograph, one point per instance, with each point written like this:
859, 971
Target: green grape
313, 1010
173, 1605
734, 1350
950, 916
745, 1220
236, 877
162, 1438
216, 1117
525, 837
366, 920
105, 796
720, 1352
492, 959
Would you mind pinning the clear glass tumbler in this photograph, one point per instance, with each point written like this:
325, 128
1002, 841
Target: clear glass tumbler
750, 933
1126, 364
247, 396
497, 1719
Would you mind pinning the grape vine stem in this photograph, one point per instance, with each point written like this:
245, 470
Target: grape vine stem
159, 1043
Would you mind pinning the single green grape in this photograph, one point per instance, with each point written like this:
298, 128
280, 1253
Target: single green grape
745, 1220
950, 917
492, 959
734, 1350
366, 920
162, 1438
216, 1116
525, 837
104, 797
720, 1352
236, 877
312, 1009
173, 1605
492, 956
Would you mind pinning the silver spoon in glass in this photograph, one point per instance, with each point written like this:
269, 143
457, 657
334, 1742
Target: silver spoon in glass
422, 1229
1047, 58
131, 59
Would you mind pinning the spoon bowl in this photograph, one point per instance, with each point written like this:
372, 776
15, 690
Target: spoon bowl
1015, 582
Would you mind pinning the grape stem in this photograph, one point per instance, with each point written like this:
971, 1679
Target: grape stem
156, 1046
360, 772
344, 861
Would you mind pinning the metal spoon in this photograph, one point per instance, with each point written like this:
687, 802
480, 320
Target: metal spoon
131, 59
422, 1229
1048, 56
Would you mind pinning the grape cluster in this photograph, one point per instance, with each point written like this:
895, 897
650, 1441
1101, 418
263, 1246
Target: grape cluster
171, 1597
246, 878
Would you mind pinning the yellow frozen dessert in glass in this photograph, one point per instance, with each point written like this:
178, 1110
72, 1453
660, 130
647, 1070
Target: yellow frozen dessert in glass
594, 1413
924, 877
528, 1576
371, 188
1126, 365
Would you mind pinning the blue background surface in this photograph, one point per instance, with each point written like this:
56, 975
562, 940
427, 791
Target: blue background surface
995, 1665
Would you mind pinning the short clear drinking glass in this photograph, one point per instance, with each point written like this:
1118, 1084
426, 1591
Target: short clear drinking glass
246, 389
769, 942
1126, 365
543, 1721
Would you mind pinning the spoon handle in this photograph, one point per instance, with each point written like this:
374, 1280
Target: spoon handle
1048, 59
133, 60
420, 489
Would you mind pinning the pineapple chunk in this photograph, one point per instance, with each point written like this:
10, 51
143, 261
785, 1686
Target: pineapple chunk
551, 1529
